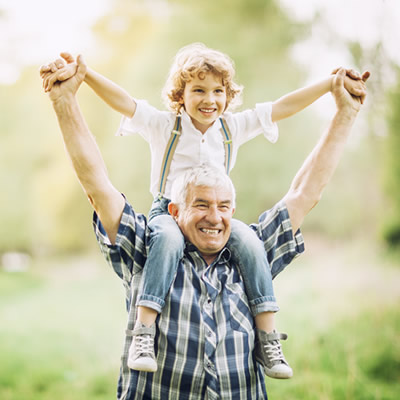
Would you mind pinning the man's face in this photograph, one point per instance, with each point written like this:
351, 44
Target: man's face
205, 220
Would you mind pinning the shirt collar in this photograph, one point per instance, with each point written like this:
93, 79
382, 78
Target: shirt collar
224, 255
188, 121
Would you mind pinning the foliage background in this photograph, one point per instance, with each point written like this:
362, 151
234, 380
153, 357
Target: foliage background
134, 43
43, 212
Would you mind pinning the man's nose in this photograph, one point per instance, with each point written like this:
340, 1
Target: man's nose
213, 215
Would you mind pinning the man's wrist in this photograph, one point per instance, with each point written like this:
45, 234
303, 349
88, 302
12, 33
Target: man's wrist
346, 115
63, 102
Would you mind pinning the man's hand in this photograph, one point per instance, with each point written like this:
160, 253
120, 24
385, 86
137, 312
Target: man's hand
346, 100
58, 70
354, 82
61, 80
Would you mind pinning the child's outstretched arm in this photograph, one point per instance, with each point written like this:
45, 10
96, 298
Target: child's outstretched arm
296, 101
112, 94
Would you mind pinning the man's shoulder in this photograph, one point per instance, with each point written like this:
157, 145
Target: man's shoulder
133, 226
275, 213
281, 244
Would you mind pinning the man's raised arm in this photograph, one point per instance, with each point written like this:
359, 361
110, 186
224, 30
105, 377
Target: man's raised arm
317, 170
85, 154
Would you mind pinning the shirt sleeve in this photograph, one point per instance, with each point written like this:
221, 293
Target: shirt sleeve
275, 230
269, 128
146, 121
248, 124
127, 256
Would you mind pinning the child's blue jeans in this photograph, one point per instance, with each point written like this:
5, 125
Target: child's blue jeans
166, 249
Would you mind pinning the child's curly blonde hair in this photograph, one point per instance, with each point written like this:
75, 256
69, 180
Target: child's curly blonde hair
195, 59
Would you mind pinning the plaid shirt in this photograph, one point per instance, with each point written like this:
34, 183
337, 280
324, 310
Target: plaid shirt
205, 333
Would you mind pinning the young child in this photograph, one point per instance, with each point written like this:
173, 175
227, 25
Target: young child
198, 129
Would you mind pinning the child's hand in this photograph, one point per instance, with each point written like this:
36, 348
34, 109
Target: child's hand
58, 71
354, 83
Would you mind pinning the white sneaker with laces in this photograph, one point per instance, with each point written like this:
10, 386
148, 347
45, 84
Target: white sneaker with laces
269, 354
141, 352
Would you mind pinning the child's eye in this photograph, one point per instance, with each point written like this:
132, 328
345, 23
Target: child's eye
219, 91
198, 90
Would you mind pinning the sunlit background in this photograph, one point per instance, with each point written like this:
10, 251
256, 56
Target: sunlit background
61, 308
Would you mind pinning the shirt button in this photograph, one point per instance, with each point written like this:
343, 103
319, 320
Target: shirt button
202, 140
209, 333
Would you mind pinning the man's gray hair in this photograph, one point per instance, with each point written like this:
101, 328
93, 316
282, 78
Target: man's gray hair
204, 175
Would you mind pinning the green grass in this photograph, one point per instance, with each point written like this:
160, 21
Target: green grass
357, 359
61, 332
62, 327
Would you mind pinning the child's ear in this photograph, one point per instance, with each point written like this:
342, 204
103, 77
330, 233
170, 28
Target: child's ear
182, 106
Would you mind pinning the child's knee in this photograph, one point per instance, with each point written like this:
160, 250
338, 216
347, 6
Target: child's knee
167, 231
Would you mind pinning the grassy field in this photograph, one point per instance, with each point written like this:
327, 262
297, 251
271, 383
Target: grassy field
62, 323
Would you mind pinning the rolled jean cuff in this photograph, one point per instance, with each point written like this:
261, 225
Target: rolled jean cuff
151, 302
263, 304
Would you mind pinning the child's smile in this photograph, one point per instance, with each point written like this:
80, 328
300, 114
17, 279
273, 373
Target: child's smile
204, 100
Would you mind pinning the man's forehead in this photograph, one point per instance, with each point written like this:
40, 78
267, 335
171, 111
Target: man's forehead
218, 193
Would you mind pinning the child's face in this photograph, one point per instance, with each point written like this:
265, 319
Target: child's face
204, 100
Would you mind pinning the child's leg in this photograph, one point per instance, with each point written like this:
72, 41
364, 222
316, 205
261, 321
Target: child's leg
165, 250
265, 321
248, 252
146, 315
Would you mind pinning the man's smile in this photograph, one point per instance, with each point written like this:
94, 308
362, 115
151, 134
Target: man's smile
210, 231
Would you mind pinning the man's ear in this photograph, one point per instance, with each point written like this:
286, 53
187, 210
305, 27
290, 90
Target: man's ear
173, 209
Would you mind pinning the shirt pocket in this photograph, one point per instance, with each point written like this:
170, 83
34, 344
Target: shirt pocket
239, 312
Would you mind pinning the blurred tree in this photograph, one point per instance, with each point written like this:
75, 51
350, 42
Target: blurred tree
391, 224
369, 43
384, 124
136, 42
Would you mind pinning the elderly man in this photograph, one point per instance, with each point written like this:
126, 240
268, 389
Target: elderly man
205, 338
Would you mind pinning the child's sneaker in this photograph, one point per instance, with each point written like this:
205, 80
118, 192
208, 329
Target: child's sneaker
269, 354
141, 352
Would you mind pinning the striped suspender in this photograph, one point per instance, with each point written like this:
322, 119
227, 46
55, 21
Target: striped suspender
173, 142
227, 138
169, 153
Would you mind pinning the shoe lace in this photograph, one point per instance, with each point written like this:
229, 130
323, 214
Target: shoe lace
273, 351
144, 344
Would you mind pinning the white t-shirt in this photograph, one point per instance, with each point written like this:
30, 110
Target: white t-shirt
194, 148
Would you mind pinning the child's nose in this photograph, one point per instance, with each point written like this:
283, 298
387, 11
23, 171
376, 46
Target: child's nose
209, 98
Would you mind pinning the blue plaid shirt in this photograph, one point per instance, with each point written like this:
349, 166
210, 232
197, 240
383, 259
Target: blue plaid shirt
205, 333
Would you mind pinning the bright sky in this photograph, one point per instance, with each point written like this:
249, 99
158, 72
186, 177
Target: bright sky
35, 32
363, 21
